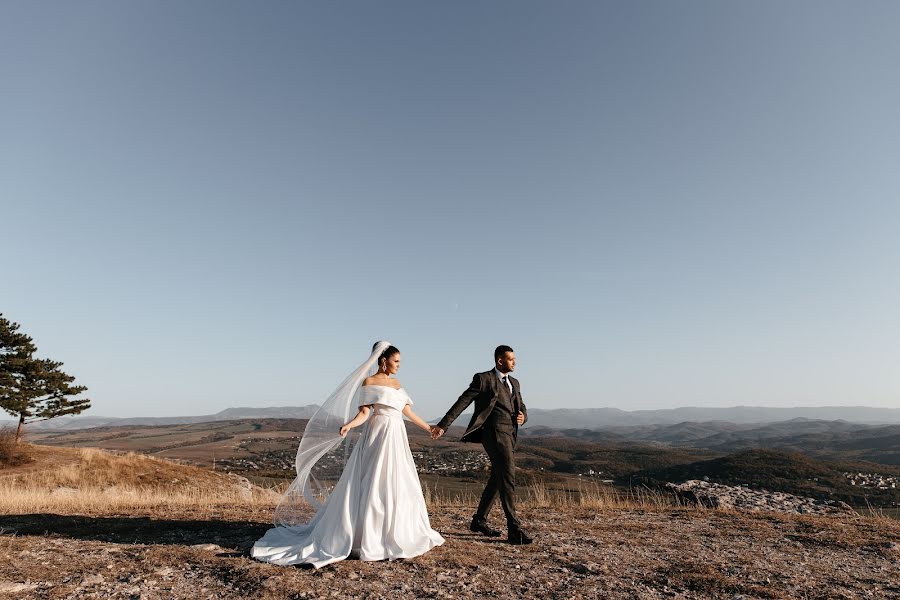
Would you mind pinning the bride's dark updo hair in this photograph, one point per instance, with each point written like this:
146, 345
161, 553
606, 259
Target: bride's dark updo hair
388, 352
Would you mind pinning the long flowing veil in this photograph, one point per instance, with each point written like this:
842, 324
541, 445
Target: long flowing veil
320, 437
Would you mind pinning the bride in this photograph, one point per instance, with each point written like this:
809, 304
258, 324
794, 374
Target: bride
376, 510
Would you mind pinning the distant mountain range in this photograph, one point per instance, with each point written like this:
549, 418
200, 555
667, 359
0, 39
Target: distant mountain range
229, 414
606, 419
823, 439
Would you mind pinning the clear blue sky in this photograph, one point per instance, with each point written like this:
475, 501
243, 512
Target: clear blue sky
657, 204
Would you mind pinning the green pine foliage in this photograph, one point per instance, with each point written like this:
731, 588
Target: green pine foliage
31, 388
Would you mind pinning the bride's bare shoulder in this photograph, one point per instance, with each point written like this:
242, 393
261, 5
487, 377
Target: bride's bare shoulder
382, 381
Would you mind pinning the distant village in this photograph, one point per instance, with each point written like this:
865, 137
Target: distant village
873, 480
330, 465
455, 461
596, 474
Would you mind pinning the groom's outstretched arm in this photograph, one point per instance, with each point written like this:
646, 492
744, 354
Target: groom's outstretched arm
460, 405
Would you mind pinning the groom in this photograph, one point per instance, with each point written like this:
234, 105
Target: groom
499, 411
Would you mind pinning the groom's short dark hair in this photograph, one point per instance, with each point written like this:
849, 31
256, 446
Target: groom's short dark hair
500, 351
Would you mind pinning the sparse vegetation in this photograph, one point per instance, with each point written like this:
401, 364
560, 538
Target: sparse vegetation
599, 496
88, 480
11, 453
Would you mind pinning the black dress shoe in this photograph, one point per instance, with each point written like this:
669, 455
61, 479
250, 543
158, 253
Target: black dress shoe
517, 537
482, 527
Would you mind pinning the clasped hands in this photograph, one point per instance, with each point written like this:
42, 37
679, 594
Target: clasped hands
437, 432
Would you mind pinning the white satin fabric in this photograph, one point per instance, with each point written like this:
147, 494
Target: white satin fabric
376, 510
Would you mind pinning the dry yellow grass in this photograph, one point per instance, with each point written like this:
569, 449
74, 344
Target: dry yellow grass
598, 496
94, 481
587, 495
70, 480
16, 500
90, 480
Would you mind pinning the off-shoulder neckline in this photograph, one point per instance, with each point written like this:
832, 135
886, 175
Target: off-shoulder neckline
390, 387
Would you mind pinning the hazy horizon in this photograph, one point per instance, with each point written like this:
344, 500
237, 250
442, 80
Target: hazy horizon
657, 205
468, 411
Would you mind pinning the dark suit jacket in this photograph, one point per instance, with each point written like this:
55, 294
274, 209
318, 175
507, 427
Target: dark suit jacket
484, 391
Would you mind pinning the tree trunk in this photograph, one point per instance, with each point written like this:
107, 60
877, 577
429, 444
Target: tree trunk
19, 428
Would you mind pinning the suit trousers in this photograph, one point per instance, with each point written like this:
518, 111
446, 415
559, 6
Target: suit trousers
499, 443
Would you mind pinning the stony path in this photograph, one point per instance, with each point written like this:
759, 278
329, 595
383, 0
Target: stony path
674, 553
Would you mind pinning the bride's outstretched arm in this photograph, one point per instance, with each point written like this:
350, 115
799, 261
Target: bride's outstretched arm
416, 419
358, 420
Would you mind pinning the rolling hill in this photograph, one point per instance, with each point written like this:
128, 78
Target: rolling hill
790, 472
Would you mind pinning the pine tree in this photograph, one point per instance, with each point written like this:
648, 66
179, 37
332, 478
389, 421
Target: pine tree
15, 351
33, 389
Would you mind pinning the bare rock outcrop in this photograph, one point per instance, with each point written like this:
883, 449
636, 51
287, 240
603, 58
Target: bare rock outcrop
716, 495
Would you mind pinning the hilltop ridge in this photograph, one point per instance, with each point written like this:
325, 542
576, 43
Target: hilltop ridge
175, 540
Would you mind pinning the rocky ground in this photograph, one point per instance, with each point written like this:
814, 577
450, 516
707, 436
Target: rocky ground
580, 553
715, 495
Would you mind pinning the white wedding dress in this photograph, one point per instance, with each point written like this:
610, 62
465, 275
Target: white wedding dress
376, 510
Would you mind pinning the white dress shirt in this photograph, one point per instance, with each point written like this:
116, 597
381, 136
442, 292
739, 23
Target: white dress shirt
509, 384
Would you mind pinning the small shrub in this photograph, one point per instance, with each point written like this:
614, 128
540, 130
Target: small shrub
11, 453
